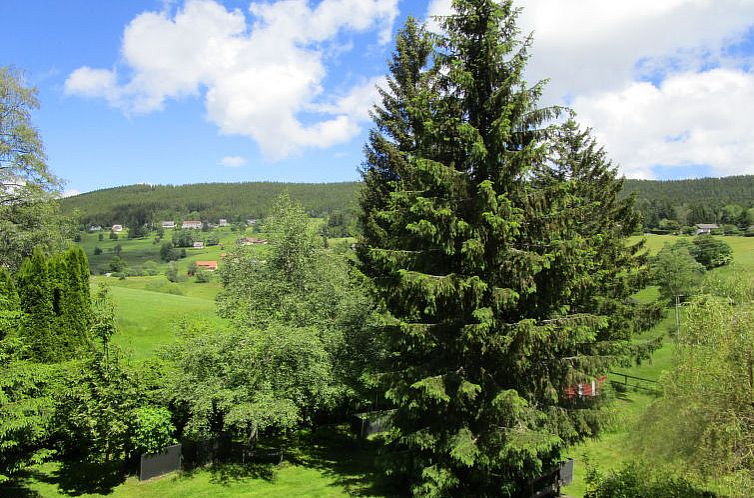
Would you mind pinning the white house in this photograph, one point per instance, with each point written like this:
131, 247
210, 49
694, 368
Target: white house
706, 228
251, 222
95, 228
117, 228
199, 245
192, 225
168, 224
222, 222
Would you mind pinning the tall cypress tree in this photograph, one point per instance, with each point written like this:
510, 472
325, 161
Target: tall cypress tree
9, 304
479, 242
71, 298
35, 293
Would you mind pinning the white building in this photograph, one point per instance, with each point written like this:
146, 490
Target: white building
168, 224
192, 225
222, 222
117, 228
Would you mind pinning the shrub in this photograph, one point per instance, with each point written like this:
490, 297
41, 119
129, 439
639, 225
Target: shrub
711, 252
97, 251
641, 480
152, 430
203, 276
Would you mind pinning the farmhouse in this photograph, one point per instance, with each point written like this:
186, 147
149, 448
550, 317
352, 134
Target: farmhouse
706, 228
250, 241
192, 225
117, 228
251, 222
199, 245
207, 265
168, 224
222, 222
95, 228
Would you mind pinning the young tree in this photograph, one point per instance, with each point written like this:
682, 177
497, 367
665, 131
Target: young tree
28, 215
676, 272
711, 251
503, 267
35, 293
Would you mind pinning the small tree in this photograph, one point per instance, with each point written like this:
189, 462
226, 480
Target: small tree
711, 251
676, 272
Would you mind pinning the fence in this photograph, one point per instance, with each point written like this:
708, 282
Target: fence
648, 385
157, 464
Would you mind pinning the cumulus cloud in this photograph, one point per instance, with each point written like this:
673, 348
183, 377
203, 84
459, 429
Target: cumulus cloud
689, 119
600, 57
256, 75
232, 161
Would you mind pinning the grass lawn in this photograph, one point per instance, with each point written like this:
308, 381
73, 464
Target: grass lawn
328, 464
147, 319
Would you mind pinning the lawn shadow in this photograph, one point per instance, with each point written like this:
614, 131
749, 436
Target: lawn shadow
338, 454
225, 473
17, 489
78, 478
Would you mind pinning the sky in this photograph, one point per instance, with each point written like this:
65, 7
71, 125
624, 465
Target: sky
186, 91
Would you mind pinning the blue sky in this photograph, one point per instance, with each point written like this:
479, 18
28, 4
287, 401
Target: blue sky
209, 90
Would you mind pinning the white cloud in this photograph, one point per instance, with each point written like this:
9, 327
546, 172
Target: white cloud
258, 76
232, 161
596, 54
690, 119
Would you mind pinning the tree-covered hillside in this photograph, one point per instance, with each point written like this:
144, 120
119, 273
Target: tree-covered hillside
667, 204
206, 201
686, 202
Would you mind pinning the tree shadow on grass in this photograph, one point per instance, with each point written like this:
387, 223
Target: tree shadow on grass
225, 473
78, 478
17, 489
350, 461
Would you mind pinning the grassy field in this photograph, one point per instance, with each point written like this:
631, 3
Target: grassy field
328, 464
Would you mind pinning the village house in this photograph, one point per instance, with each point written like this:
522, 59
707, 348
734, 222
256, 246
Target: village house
199, 245
207, 265
191, 225
117, 228
168, 224
250, 241
95, 228
706, 228
251, 222
222, 222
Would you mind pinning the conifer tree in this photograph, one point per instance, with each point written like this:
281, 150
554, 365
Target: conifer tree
35, 293
71, 300
9, 304
501, 262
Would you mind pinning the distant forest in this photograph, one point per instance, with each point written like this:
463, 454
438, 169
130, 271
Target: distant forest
671, 205
139, 204
665, 205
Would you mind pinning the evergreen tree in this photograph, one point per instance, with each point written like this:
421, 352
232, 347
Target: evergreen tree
9, 304
74, 303
35, 294
502, 266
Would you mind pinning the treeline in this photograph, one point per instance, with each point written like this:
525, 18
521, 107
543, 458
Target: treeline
670, 205
666, 205
139, 204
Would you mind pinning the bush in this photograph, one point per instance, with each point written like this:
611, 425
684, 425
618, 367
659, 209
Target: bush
711, 252
152, 430
113, 236
97, 251
151, 268
640, 480
203, 276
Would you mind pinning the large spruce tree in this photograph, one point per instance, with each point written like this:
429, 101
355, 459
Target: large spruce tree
496, 242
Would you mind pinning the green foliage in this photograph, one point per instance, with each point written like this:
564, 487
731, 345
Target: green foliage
28, 214
642, 480
676, 272
711, 251
203, 276
497, 245
248, 382
97, 251
26, 408
183, 238
95, 407
153, 429
35, 293
705, 414
298, 283
236, 202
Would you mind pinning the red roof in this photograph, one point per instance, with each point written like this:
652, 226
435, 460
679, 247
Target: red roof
209, 265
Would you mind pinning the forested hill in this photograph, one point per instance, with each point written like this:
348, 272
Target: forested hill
685, 202
681, 203
205, 201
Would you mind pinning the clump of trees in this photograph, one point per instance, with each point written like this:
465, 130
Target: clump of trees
495, 240
300, 342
